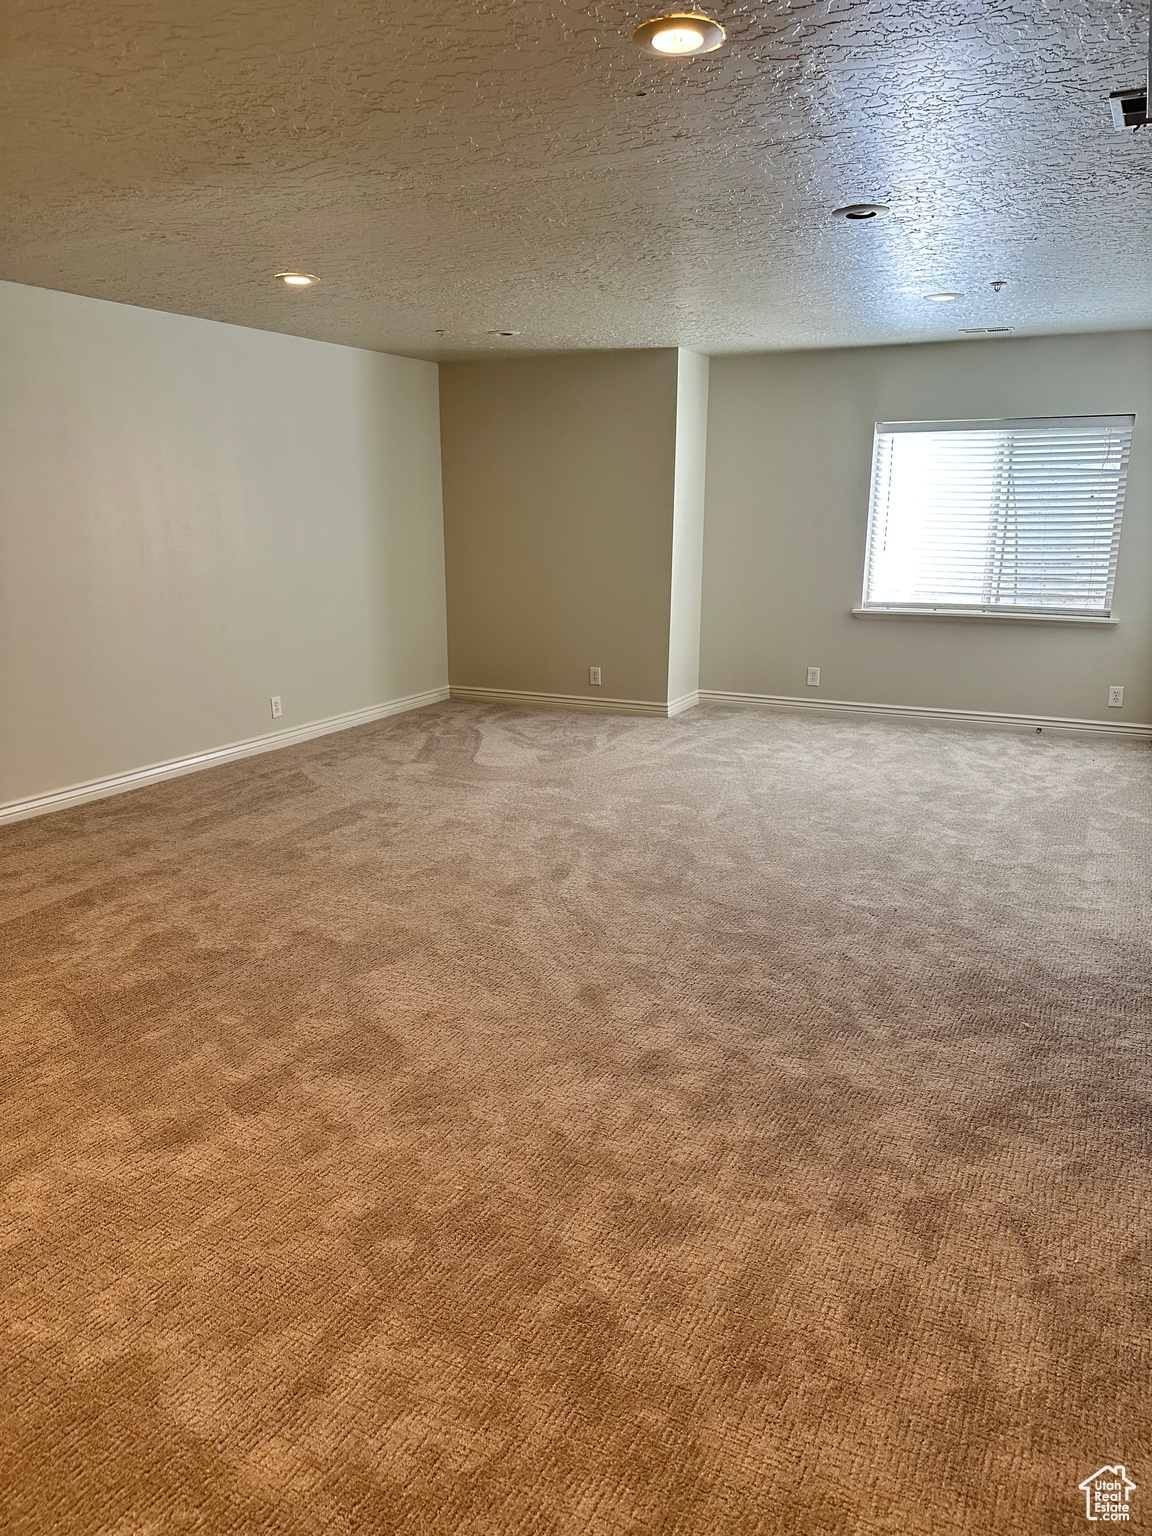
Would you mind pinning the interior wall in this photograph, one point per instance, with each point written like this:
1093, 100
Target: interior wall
195, 517
688, 525
789, 461
559, 477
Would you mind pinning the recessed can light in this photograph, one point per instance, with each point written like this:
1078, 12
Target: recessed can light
859, 211
297, 279
679, 35
943, 298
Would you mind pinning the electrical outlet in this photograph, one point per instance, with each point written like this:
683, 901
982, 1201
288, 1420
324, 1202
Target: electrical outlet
594, 676
813, 677
1115, 696
277, 707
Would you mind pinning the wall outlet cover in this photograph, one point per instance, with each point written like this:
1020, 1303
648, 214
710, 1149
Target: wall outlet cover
813, 677
277, 707
594, 676
1115, 696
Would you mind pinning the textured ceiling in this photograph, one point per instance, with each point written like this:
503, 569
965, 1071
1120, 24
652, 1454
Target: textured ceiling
464, 167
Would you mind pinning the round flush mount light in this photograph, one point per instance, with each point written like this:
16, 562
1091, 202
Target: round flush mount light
296, 279
860, 211
943, 298
679, 35
503, 333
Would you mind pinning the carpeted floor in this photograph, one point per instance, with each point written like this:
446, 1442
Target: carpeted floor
499, 1122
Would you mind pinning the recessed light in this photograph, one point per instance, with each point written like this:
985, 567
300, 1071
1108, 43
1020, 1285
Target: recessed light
858, 211
679, 35
503, 333
943, 298
296, 279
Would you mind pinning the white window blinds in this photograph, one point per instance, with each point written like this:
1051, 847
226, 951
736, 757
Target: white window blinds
997, 516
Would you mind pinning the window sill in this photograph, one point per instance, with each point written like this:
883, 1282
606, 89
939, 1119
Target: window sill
968, 614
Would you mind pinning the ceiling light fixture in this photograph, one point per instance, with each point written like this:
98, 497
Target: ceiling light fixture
1129, 108
859, 211
943, 298
679, 35
503, 333
296, 279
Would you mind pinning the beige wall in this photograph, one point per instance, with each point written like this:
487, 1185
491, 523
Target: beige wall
558, 503
789, 455
688, 524
195, 517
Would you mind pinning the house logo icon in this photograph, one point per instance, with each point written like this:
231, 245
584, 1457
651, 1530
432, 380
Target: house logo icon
1107, 1494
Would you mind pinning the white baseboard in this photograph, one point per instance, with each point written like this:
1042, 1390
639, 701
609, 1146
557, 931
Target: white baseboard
685, 701
976, 717
137, 778
563, 701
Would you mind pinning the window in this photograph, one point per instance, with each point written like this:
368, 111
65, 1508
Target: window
996, 517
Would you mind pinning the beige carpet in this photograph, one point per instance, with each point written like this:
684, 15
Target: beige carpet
502, 1122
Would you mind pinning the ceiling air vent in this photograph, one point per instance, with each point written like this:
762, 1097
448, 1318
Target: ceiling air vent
1129, 108
987, 330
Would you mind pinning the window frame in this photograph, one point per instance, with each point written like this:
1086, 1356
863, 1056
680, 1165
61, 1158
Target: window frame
999, 613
